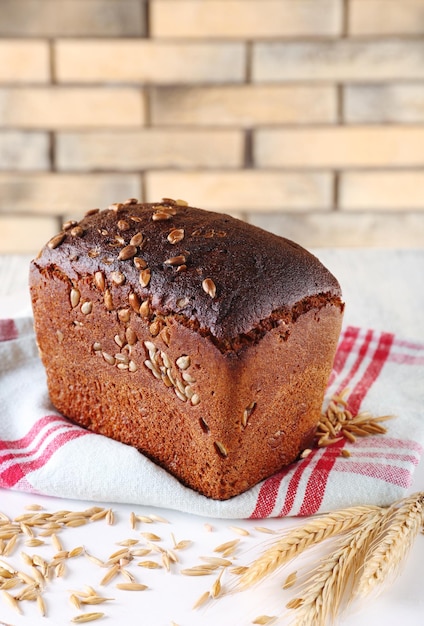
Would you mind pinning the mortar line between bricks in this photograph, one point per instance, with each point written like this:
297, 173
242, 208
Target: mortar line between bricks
248, 62
248, 160
340, 104
336, 192
146, 97
143, 185
52, 151
147, 19
52, 62
345, 19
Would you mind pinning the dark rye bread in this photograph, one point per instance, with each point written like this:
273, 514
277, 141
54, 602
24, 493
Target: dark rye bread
201, 340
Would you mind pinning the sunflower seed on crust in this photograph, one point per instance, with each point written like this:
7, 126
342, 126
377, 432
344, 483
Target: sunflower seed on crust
209, 287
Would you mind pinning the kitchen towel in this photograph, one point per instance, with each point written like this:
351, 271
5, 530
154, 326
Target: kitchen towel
43, 453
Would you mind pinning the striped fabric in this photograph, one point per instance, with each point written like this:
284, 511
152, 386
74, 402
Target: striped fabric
42, 452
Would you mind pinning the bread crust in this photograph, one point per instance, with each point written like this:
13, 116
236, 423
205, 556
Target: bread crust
221, 385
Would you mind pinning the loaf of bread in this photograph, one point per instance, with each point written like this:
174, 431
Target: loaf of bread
201, 340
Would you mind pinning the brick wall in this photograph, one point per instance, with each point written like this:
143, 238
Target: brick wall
305, 117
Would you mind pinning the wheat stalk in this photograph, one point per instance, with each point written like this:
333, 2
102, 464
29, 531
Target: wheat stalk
296, 541
323, 597
403, 523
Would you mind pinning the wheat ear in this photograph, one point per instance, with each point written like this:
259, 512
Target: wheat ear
298, 540
403, 523
323, 596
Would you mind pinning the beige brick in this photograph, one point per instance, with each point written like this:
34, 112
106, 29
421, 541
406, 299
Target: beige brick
149, 61
386, 17
252, 19
340, 60
24, 61
343, 229
69, 107
24, 151
243, 105
382, 191
149, 149
57, 18
25, 234
380, 103
65, 193
339, 147
243, 190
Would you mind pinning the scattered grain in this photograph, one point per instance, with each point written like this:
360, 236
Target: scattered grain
10, 546
95, 599
264, 619
305, 453
240, 531
216, 587
94, 559
228, 545
216, 561
264, 529
198, 570
110, 574
149, 564
290, 580
86, 617
41, 605
140, 552
131, 586
295, 603
151, 537
159, 518
201, 600
97, 515
34, 543
11, 601
183, 544
75, 601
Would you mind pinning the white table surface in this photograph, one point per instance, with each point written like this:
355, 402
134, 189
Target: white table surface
383, 289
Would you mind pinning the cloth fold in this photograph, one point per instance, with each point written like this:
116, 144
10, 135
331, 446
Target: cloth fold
42, 452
